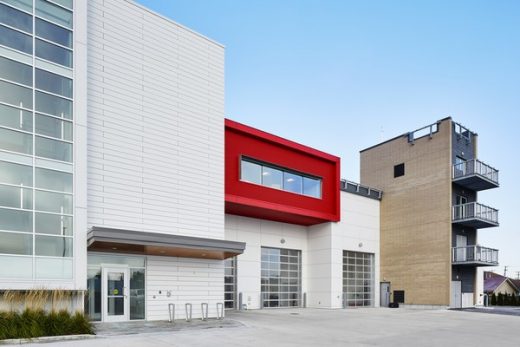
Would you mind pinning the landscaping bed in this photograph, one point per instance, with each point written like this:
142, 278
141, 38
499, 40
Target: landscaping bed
36, 323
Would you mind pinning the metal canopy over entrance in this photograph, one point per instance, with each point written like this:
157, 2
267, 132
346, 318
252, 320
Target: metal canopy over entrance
141, 242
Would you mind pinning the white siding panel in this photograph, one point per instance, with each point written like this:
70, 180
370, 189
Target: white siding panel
155, 129
194, 281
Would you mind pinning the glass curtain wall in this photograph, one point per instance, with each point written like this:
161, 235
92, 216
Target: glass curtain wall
281, 277
358, 279
36, 139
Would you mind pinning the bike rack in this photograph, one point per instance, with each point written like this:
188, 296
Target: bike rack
188, 312
202, 306
171, 312
220, 311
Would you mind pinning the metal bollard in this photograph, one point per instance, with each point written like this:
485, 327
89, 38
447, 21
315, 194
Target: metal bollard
188, 312
204, 317
240, 295
171, 312
304, 301
261, 301
220, 310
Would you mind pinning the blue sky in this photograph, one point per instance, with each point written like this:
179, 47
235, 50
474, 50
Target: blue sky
342, 75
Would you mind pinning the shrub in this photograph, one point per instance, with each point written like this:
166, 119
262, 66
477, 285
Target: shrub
500, 299
493, 299
513, 300
34, 323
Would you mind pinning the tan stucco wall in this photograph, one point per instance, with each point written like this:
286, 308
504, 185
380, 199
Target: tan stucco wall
415, 214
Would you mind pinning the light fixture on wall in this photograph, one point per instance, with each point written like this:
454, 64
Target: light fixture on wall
282, 241
360, 244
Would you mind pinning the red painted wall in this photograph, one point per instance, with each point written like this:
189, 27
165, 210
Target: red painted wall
252, 200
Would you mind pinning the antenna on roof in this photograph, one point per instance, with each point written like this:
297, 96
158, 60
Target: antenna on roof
505, 270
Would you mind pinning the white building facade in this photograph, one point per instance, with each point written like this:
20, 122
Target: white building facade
114, 177
331, 276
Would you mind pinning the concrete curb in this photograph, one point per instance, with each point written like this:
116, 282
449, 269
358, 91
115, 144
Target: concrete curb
46, 339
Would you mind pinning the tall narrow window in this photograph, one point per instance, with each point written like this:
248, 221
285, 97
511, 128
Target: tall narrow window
230, 283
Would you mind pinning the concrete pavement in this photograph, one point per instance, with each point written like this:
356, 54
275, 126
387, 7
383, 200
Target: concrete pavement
315, 327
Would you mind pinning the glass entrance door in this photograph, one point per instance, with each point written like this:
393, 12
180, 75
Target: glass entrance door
115, 294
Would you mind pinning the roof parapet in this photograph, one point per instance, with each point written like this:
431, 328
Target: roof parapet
359, 189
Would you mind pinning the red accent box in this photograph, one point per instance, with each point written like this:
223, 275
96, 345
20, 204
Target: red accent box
258, 201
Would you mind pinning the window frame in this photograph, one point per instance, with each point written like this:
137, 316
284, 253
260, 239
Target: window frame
283, 170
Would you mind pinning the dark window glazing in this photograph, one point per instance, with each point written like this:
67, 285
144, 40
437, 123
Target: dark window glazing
271, 176
15, 95
53, 53
53, 83
53, 127
53, 33
53, 105
16, 19
15, 39
26, 5
16, 118
14, 71
54, 13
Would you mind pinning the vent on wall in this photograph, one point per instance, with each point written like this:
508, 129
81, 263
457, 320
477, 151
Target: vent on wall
399, 296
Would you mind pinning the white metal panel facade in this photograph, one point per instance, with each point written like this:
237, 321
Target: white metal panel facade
257, 233
322, 249
180, 281
359, 231
156, 123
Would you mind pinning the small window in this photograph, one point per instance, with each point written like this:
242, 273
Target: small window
271, 177
251, 172
399, 170
292, 183
312, 187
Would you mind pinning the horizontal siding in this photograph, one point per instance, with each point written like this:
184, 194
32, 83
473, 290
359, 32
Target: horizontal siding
155, 127
194, 281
